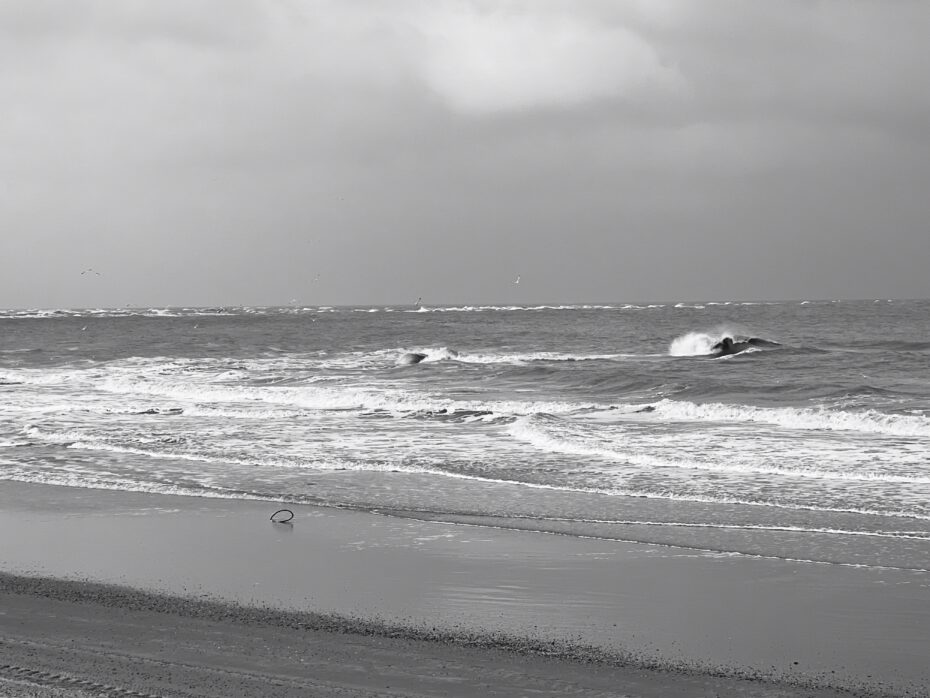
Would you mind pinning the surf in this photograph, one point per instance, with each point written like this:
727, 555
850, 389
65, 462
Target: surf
708, 343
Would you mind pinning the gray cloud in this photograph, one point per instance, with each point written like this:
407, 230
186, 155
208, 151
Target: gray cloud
226, 152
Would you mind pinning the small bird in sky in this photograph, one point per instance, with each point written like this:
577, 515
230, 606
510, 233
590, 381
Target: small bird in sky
90, 271
517, 280
419, 302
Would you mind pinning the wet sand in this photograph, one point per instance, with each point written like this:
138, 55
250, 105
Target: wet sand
103, 640
344, 601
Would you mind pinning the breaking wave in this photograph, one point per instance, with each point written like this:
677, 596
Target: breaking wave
321, 398
516, 358
702, 343
806, 418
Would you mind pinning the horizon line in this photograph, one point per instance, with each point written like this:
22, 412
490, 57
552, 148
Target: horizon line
540, 304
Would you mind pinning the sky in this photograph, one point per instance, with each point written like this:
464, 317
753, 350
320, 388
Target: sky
273, 152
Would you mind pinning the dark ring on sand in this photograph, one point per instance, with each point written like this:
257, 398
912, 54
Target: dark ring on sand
281, 511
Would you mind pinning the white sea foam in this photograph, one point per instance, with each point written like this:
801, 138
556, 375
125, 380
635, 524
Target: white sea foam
803, 418
14, 472
216, 389
694, 344
78, 440
547, 439
77, 480
314, 397
701, 343
69, 479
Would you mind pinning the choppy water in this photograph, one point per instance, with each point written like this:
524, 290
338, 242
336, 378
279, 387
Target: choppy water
605, 420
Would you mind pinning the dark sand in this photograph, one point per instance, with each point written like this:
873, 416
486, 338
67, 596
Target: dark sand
208, 597
110, 641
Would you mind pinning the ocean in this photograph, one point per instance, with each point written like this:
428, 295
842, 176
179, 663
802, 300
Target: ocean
598, 421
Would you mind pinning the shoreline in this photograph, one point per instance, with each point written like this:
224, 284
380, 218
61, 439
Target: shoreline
622, 607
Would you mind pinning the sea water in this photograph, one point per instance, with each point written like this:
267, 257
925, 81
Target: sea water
609, 421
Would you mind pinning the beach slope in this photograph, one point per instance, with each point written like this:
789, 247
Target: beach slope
77, 638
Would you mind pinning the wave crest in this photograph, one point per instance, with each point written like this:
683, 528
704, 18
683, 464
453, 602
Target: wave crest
806, 418
702, 343
695, 343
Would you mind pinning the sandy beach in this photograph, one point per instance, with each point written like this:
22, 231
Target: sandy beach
162, 595
100, 640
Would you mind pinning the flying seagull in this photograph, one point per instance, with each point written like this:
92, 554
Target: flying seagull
517, 280
90, 271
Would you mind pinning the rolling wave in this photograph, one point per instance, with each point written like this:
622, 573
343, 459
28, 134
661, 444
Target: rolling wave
322, 398
801, 418
515, 358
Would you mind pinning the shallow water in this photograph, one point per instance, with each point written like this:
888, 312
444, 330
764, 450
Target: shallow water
859, 628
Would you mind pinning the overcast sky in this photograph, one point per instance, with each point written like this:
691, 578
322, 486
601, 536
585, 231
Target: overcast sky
225, 152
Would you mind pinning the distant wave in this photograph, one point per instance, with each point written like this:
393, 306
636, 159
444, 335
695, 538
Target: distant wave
492, 308
118, 312
913, 346
580, 306
181, 312
885, 345
304, 309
